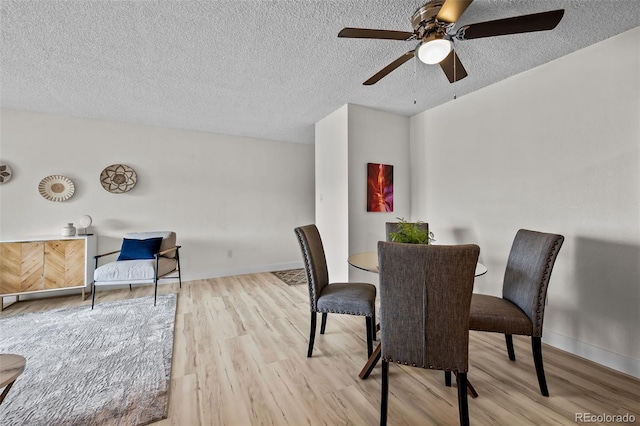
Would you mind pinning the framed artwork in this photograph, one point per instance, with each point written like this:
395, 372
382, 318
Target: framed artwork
379, 187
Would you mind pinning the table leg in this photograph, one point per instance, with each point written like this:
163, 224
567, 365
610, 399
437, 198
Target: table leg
375, 357
5, 391
371, 362
470, 389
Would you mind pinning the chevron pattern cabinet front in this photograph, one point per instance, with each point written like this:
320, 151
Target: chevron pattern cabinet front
46, 265
64, 264
21, 267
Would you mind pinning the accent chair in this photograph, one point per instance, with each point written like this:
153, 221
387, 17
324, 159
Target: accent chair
144, 258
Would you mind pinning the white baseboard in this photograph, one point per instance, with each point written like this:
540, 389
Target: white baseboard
601, 356
242, 271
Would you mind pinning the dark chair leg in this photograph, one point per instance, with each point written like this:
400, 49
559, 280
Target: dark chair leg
155, 280
463, 404
374, 329
179, 269
93, 284
384, 397
370, 328
447, 378
323, 324
536, 347
130, 287
93, 294
510, 351
312, 335
155, 294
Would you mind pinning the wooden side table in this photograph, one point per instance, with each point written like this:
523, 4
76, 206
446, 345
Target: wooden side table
11, 366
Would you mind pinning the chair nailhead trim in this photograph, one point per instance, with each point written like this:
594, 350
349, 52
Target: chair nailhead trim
328, 311
537, 326
314, 303
307, 267
431, 367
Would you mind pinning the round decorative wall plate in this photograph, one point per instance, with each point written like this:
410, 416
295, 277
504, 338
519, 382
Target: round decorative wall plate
118, 178
56, 188
5, 173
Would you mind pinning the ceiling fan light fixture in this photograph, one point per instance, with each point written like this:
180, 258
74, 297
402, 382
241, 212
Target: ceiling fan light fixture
434, 49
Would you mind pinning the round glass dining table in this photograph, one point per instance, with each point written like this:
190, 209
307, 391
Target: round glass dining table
368, 261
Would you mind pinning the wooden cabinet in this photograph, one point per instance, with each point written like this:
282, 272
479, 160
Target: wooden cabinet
46, 264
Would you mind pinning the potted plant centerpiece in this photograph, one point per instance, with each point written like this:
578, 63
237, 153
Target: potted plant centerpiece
411, 233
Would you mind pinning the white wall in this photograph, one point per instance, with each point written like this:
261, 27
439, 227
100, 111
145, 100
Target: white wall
346, 140
332, 190
218, 193
375, 137
554, 149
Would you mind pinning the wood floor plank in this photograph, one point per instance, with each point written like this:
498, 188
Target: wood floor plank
240, 359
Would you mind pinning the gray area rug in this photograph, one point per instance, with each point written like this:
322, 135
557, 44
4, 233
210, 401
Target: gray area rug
292, 276
109, 366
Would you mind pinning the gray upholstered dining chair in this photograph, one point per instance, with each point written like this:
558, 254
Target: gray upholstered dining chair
425, 295
351, 298
520, 310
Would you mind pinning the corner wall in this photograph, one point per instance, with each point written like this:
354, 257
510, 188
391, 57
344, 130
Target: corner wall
554, 149
346, 140
375, 137
332, 190
219, 193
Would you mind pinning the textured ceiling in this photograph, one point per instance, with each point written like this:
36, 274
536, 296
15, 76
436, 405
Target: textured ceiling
264, 69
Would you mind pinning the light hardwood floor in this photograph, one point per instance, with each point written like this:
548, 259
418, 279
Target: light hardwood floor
239, 358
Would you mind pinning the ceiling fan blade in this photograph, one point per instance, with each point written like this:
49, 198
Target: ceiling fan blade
452, 10
392, 66
518, 24
453, 68
378, 34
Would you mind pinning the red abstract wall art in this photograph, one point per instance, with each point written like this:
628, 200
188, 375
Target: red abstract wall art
379, 187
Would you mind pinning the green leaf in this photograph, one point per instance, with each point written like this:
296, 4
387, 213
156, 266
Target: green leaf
411, 233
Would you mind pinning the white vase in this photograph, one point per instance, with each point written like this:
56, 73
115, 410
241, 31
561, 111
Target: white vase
69, 230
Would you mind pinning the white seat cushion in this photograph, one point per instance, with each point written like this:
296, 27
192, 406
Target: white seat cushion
132, 271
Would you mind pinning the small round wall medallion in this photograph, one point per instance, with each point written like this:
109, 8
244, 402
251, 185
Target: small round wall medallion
118, 178
5, 173
56, 188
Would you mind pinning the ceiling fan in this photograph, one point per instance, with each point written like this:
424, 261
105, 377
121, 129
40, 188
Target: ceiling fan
433, 28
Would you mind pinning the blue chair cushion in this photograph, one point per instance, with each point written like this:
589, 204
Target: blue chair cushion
139, 249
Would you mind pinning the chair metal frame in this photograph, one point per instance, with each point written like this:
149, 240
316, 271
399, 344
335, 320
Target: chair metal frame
153, 281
